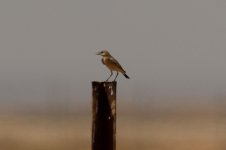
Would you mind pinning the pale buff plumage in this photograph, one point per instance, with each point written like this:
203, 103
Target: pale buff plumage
112, 64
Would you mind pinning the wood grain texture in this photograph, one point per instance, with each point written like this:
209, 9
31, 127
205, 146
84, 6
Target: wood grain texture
104, 116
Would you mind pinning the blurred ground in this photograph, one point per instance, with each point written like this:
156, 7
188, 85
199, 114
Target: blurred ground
158, 132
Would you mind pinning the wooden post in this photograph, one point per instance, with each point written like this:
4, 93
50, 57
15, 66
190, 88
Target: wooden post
104, 116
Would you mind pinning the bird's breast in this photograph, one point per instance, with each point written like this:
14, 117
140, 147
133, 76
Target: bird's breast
103, 61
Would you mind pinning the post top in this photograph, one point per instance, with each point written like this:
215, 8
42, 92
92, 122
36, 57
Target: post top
104, 81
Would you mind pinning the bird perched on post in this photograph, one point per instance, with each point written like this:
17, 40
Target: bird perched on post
112, 64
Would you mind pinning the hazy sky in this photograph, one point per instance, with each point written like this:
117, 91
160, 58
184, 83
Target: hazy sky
167, 47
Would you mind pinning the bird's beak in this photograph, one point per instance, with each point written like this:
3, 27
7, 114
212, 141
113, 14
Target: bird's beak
98, 53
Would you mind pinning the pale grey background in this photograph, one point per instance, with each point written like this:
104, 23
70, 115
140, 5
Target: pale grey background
168, 47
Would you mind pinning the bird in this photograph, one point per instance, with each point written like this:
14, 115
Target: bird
112, 64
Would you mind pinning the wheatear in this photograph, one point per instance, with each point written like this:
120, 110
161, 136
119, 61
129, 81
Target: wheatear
112, 64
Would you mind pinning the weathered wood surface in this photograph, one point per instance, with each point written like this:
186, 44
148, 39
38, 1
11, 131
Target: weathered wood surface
104, 116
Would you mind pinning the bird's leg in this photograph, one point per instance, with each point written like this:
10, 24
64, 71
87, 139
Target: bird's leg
116, 76
109, 76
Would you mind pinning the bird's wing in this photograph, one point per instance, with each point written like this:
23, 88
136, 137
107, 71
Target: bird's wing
116, 63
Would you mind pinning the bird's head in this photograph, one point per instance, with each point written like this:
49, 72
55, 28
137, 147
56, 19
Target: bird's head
103, 53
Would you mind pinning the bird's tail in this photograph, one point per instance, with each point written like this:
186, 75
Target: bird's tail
126, 75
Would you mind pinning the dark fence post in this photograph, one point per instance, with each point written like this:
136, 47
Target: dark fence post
104, 116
